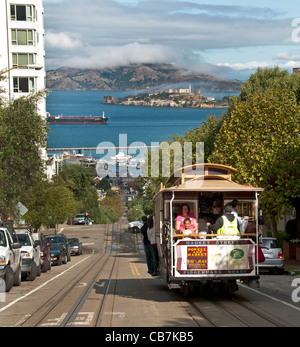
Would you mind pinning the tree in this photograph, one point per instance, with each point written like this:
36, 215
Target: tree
260, 138
206, 133
23, 135
49, 203
270, 79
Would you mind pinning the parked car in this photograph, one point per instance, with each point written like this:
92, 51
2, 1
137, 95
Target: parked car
135, 226
79, 219
62, 239
274, 258
75, 245
30, 254
45, 251
58, 254
10, 260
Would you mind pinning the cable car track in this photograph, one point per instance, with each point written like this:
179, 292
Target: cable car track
80, 290
229, 312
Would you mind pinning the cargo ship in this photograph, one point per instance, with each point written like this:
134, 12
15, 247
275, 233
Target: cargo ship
60, 119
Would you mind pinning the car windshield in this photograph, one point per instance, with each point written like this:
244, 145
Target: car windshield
2, 239
56, 239
73, 240
24, 240
79, 216
269, 243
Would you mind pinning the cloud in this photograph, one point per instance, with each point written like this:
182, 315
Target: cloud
110, 56
62, 40
247, 66
83, 33
287, 56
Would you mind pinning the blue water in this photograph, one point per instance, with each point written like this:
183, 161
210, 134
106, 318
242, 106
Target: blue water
143, 124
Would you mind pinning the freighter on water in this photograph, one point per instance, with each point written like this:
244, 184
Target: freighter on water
60, 119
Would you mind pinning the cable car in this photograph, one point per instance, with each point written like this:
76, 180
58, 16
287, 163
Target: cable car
205, 258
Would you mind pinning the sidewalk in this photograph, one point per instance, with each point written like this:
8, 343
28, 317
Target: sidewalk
292, 265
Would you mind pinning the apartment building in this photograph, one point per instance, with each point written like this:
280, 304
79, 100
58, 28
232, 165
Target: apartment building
22, 49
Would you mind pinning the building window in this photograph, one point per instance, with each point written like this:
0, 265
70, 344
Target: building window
23, 59
22, 13
23, 84
22, 37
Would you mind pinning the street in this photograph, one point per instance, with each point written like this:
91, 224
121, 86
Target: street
108, 286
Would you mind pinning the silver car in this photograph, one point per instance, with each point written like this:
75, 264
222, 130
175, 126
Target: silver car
79, 219
274, 258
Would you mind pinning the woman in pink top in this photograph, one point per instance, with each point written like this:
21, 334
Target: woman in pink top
179, 221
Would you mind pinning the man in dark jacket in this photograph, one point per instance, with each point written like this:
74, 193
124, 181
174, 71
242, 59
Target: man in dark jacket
147, 246
226, 224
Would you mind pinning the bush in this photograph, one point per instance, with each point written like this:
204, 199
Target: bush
134, 214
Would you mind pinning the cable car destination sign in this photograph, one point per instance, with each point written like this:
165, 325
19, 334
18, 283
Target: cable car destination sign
213, 257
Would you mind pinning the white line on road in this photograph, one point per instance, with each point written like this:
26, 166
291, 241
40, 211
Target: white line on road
270, 297
41, 286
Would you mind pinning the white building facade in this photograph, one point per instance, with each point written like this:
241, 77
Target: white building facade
22, 48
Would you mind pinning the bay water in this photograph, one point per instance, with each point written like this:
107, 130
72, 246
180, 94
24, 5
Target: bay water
142, 124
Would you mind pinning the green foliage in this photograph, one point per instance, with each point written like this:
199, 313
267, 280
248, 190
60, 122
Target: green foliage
80, 180
206, 133
260, 138
103, 184
270, 79
49, 203
135, 214
23, 133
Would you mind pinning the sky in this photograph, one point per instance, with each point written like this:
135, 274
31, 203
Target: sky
229, 38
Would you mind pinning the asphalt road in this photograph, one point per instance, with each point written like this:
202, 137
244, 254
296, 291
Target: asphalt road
108, 286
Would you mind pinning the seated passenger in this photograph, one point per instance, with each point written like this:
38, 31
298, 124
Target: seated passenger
187, 227
179, 221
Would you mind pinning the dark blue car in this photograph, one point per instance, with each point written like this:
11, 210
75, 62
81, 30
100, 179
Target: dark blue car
58, 254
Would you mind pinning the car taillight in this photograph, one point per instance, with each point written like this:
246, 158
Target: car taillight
280, 255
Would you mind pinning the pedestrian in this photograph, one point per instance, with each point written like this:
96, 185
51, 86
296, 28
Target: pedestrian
147, 246
153, 245
86, 219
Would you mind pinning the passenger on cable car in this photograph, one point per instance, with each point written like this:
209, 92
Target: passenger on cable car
226, 224
183, 214
243, 221
187, 227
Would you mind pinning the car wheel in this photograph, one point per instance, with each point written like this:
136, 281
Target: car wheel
135, 230
17, 277
33, 273
46, 266
65, 261
39, 270
9, 278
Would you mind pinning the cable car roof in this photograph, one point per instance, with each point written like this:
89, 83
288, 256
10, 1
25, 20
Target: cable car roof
205, 177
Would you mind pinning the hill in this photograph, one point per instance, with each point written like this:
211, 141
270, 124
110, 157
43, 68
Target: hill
134, 77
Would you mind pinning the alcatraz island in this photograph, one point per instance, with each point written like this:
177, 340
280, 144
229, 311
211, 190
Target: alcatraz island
169, 98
